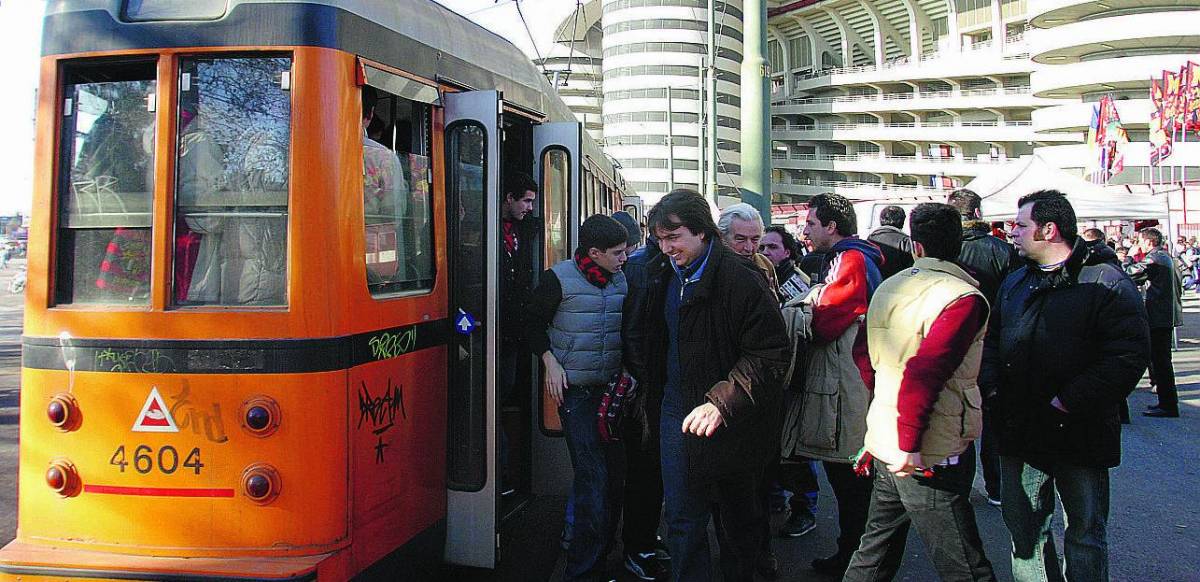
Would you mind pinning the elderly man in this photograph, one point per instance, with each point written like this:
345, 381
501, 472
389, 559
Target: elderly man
741, 230
1066, 343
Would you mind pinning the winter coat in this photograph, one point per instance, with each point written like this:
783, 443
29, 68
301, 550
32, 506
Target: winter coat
516, 280
1078, 333
986, 258
897, 249
1164, 302
732, 348
827, 418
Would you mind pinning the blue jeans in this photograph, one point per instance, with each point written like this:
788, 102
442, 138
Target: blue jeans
597, 484
1028, 491
738, 501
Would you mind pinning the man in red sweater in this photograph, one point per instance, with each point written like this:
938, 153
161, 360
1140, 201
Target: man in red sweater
850, 277
925, 338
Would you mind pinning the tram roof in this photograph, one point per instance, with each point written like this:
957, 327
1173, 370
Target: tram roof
419, 36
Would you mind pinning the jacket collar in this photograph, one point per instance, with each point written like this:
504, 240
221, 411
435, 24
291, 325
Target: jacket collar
1068, 274
947, 267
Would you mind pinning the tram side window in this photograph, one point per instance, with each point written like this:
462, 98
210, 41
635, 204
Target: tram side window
231, 181
556, 184
106, 184
397, 197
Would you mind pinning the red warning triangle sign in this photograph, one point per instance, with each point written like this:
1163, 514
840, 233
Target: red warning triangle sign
155, 416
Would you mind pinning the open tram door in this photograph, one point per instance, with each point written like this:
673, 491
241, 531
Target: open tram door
472, 169
557, 165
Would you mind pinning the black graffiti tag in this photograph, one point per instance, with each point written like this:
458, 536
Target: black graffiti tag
379, 412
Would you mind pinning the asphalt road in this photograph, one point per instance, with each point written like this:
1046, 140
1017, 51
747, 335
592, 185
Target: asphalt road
1154, 527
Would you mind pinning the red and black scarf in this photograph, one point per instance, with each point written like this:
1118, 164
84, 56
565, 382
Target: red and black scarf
594, 273
510, 236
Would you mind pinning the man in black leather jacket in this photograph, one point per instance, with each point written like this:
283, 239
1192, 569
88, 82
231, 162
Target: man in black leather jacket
1067, 342
1165, 312
989, 260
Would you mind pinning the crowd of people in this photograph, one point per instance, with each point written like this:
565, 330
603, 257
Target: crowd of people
712, 373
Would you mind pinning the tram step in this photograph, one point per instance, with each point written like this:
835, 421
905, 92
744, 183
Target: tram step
24, 561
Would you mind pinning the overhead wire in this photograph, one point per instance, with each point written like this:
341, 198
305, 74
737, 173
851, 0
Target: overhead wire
525, 23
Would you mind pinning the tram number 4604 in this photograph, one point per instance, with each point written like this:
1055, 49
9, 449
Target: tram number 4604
144, 459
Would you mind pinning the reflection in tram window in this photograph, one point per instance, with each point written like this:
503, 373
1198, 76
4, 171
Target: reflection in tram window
397, 197
108, 162
556, 186
232, 179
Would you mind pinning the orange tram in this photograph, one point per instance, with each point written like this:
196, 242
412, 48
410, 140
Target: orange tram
261, 324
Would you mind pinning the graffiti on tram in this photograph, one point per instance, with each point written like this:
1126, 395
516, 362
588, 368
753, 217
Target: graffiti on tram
378, 413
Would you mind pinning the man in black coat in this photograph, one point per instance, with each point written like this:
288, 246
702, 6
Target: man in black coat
1164, 308
712, 344
989, 260
1066, 343
897, 247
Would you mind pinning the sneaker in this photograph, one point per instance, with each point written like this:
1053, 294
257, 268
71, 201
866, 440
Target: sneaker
798, 524
1161, 413
645, 565
834, 565
994, 501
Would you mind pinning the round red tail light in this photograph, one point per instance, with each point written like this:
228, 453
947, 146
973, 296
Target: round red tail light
260, 416
63, 411
261, 483
62, 478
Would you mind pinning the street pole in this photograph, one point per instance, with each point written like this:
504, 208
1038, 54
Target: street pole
670, 143
711, 122
701, 183
756, 109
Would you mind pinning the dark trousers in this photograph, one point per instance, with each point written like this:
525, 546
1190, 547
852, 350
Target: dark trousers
853, 494
643, 483
597, 485
989, 450
939, 509
800, 477
1162, 371
734, 502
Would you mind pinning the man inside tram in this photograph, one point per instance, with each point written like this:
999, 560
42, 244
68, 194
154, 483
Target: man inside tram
384, 195
518, 238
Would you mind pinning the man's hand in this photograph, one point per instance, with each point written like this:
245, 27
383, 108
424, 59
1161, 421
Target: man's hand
556, 377
907, 466
703, 421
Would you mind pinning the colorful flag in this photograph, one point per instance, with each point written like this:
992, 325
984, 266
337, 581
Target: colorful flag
1092, 164
1159, 139
1115, 137
1171, 91
1192, 113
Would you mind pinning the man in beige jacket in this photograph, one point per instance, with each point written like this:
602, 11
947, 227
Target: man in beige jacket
925, 329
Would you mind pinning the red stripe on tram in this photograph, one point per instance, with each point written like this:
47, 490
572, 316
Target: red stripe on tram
157, 491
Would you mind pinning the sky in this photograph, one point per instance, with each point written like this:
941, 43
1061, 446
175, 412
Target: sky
20, 41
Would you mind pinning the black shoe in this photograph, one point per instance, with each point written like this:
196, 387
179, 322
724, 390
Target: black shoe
660, 550
645, 565
834, 565
1161, 413
798, 523
768, 565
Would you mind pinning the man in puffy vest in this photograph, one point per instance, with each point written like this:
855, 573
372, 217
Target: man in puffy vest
925, 330
575, 328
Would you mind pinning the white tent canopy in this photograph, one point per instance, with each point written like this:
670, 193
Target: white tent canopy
1002, 187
